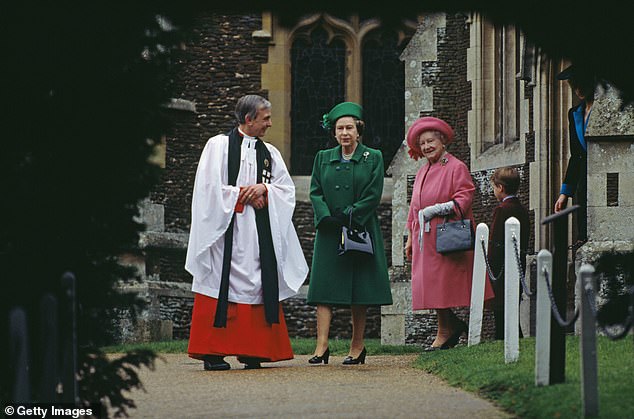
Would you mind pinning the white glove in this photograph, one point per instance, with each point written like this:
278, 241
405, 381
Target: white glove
432, 211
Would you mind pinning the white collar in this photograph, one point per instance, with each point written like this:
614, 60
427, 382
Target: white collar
248, 137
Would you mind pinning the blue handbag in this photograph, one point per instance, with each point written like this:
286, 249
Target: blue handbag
455, 236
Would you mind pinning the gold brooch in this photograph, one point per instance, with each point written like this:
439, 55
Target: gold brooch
444, 161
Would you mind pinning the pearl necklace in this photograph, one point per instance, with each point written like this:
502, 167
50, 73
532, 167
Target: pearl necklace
347, 156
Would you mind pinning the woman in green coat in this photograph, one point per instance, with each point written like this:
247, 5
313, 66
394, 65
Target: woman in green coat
346, 188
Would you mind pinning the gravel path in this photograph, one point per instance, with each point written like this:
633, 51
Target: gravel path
385, 387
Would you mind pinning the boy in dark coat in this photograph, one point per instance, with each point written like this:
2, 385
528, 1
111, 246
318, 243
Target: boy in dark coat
506, 182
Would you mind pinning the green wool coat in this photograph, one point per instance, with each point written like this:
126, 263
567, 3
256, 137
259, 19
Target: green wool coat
352, 278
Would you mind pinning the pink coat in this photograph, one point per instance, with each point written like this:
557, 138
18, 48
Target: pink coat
441, 281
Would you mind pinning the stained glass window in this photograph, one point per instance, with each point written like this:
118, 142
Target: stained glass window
327, 54
383, 93
318, 83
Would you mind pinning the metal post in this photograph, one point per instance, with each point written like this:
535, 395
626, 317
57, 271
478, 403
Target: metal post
542, 320
558, 285
511, 292
588, 344
478, 283
69, 369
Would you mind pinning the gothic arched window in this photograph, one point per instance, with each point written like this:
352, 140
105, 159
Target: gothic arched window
324, 60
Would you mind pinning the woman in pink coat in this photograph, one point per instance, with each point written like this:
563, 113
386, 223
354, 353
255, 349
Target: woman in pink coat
439, 281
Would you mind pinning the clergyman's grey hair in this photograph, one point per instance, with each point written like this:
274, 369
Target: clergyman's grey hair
250, 105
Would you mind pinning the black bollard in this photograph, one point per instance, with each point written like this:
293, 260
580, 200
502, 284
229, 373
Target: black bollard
69, 344
49, 350
558, 284
19, 355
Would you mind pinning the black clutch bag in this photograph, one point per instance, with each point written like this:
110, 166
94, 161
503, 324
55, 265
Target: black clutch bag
355, 240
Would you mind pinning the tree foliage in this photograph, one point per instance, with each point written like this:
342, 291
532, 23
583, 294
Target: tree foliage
83, 90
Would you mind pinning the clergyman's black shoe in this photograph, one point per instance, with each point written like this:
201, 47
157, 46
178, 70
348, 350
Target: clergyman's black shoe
250, 363
215, 363
252, 366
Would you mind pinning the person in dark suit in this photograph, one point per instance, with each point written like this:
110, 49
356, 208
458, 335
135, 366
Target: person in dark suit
506, 182
575, 182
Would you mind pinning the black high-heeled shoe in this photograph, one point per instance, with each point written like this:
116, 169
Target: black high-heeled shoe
318, 359
354, 361
455, 336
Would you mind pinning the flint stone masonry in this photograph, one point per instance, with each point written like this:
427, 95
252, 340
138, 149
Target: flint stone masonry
607, 118
157, 321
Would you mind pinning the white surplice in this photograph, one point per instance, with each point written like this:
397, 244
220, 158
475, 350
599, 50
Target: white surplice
213, 204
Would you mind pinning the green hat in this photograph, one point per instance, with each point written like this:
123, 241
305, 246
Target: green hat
342, 109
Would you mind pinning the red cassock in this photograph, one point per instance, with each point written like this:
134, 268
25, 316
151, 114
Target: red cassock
247, 333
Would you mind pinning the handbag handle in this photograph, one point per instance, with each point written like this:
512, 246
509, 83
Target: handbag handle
461, 216
455, 203
459, 209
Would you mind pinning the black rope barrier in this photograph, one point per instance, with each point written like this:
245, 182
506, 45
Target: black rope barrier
625, 327
525, 289
492, 276
553, 305
591, 299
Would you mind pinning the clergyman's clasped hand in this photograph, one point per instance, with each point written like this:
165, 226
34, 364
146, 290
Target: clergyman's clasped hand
254, 195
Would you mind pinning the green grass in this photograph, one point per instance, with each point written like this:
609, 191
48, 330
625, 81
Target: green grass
165, 347
481, 369
301, 346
